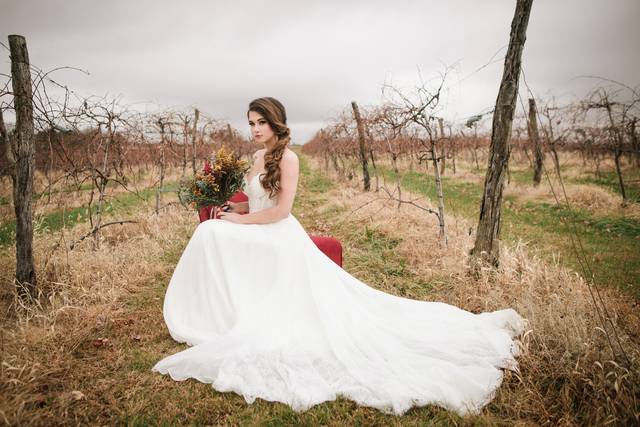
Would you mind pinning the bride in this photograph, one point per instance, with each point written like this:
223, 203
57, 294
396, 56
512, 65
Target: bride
267, 315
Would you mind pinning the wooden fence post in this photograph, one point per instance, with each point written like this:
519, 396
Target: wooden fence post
363, 155
194, 139
486, 245
537, 144
21, 154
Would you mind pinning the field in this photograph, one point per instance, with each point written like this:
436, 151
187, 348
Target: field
591, 215
82, 353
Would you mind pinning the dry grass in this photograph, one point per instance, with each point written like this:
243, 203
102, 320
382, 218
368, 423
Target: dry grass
588, 197
592, 198
568, 375
65, 195
81, 353
61, 352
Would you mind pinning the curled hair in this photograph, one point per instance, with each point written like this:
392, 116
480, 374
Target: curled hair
274, 113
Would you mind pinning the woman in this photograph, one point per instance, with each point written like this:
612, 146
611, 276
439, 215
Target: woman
268, 315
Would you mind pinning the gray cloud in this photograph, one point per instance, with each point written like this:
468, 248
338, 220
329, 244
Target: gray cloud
318, 56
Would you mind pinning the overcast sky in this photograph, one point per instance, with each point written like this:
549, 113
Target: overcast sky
318, 56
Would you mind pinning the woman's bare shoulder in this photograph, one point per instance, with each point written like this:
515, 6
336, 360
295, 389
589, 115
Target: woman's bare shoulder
290, 160
258, 154
288, 153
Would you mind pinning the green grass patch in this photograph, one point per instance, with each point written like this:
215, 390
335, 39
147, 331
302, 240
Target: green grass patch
125, 203
313, 180
609, 180
7, 232
521, 176
460, 197
374, 258
69, 189
563, 219
611, 244
142, 361
311, 189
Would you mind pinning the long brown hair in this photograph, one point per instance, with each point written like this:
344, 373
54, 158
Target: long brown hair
274, 113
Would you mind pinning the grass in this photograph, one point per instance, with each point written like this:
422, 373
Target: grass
609, 180
559, 370
368, 252
116, 294
521, 176
122, 333
123, 203
611, 244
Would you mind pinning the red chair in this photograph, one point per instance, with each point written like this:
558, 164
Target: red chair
330, 246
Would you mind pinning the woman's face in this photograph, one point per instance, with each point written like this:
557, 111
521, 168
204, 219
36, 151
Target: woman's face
260, 127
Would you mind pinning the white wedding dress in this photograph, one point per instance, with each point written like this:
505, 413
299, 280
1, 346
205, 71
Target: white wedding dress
268, 315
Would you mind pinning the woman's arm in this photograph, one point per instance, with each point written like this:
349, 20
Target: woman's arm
289, 172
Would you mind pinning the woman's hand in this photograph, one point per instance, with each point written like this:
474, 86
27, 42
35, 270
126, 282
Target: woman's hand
231, 217
233, 207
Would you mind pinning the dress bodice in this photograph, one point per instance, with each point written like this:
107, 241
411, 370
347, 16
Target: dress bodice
258, 196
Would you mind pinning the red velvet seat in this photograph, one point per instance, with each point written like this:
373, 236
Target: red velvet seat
330, 246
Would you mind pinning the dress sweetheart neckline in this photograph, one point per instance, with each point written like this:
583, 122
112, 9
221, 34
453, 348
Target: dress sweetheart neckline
249, 180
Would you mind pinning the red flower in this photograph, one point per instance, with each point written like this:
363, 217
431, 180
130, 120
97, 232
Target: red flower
207, 167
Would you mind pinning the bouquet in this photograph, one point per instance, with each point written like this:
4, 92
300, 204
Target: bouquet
216, 183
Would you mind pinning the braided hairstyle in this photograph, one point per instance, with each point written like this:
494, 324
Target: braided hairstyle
274, 113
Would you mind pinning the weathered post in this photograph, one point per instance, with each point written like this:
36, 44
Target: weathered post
537, 145
619, 141
443, 158
194, 134
20, 150
486, 246
161, 162
635, 144
229, 133
436, 173
363, 156
185, 138
453, 150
